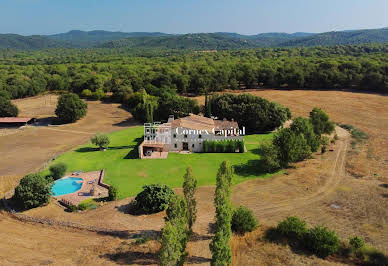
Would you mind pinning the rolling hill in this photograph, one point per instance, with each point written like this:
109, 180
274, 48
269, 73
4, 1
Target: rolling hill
77, 38
203, 41
34, 42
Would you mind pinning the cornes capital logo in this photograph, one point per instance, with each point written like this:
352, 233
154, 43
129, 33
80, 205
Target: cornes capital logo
223, 132
158, 133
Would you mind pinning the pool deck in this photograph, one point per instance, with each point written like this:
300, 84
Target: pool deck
90, 180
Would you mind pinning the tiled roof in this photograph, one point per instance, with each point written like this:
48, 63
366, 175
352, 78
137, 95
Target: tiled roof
14, 119
202, 123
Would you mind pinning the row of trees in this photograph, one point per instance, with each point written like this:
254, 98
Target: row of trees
181, 216
340, 67
297, 142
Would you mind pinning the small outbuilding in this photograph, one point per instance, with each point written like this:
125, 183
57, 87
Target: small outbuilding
15, 121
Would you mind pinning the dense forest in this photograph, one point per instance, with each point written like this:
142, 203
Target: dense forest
94, 72
194, 41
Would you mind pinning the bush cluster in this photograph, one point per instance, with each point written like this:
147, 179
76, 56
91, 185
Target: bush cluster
224, 146
319, 240
58, 170
297, 143
154, 198
256, 114
34, 190
243, 220
292, 228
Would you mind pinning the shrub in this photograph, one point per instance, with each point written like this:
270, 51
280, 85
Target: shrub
292, 228
302, 125
58, 170
100, 140
154, 198
356, 242
98, 94
359, 135
321, 241
70, 108
88, 204
86, 93
33, 191
243, 220
292, 146
141, 240
320, 121
7, 108
270, 157
112, 193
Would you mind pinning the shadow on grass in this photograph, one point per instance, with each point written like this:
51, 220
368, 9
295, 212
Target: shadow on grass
128, 122
92, 149
134, 152
87, 149
252, 167
131, 209
197, 237
198, 260
133, 257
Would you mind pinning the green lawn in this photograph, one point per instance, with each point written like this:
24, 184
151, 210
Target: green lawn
130, 174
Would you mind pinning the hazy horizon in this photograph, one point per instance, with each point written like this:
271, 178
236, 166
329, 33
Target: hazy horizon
248, 17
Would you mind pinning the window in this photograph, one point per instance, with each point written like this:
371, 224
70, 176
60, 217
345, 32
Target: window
175, 145
185, 136
200, 136
192, 146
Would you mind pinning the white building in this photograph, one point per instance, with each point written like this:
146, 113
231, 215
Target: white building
186, 134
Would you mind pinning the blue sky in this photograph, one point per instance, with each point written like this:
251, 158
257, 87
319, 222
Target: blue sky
186, 16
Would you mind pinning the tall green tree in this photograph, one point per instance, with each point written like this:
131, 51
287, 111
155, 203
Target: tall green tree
7, 108
321, 122
189, 189
220, 245
292, 146
302, 125
33, 191
174, 241
70, 108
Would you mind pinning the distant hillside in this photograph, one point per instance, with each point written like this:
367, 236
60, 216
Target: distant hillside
341, 38
200, 41
187, 41
35, 42
77, 38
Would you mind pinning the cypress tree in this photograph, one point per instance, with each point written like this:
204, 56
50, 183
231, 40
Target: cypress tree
189, 189
220, 245
175, 234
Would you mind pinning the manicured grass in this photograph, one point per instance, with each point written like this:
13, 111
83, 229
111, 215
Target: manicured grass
130, 174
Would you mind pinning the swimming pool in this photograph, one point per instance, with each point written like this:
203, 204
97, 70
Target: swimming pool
66, 185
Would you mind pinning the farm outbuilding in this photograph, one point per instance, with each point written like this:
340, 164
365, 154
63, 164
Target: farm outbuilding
15, 121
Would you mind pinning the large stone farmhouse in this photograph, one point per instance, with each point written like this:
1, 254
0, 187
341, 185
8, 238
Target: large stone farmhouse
185, 135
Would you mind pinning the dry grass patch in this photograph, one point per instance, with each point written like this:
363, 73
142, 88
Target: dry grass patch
252, 249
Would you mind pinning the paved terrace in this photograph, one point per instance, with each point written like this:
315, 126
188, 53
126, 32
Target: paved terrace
90, 180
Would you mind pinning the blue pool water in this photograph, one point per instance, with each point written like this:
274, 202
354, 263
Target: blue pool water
66, 186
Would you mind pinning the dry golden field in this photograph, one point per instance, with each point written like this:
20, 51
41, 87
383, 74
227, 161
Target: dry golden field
353, 178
